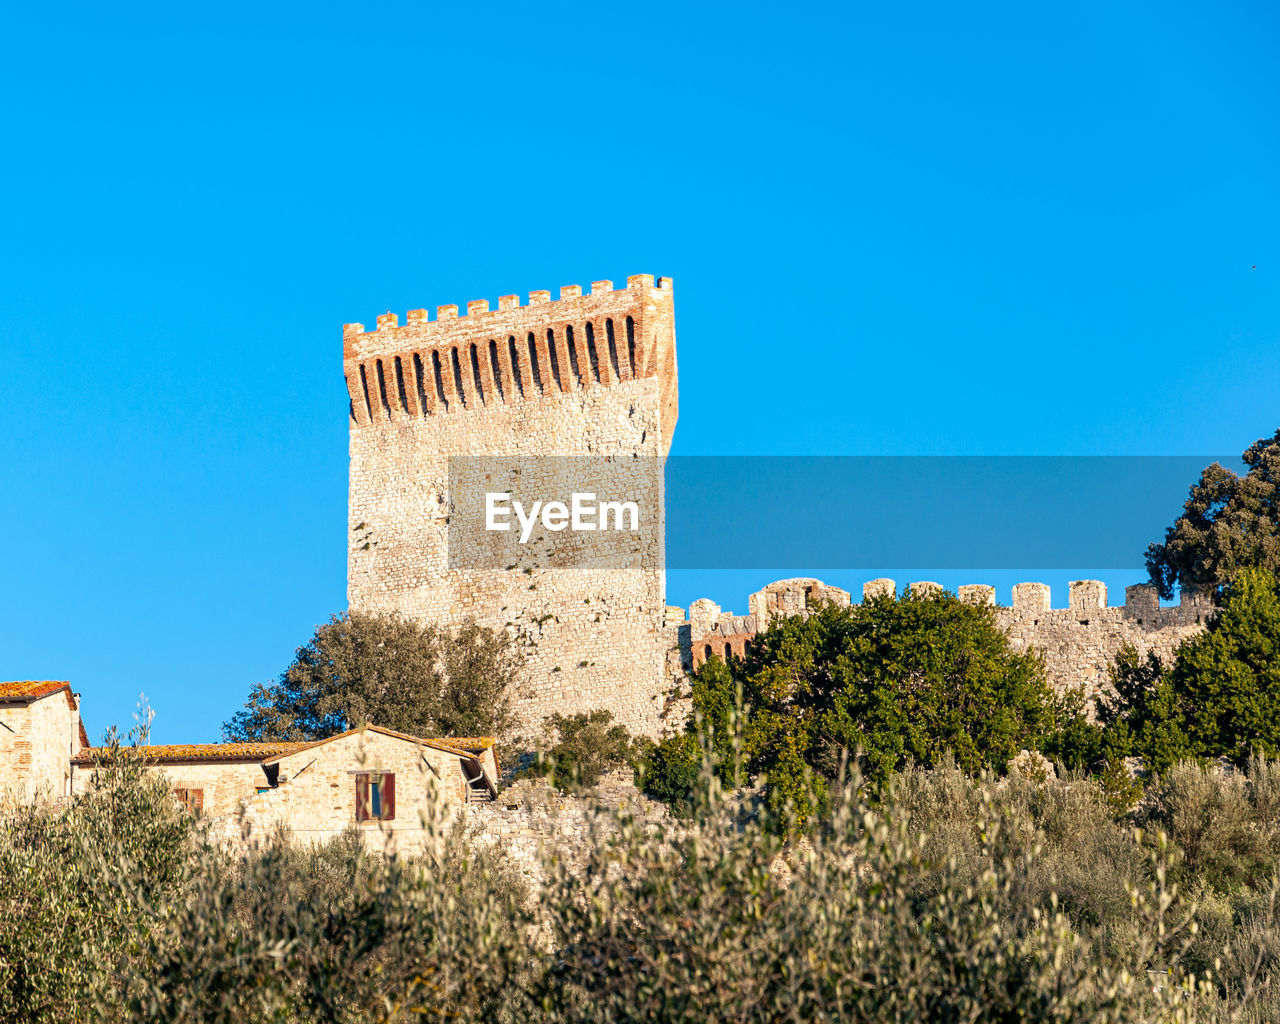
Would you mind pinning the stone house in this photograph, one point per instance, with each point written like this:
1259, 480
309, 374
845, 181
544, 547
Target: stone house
384, 783
40, 734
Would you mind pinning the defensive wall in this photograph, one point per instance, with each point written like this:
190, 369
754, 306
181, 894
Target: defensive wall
587, 375
1078, 641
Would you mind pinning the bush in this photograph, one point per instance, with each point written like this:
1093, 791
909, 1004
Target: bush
588, 744
297, 933
944, 898
670, 770
78, 887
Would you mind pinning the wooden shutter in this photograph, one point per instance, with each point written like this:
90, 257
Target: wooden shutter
388, 796
195, 800
362, 797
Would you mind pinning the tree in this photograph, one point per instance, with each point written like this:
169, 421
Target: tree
389, 671
1220, 698
588, 745
1228, 523
1142, 715
899, 681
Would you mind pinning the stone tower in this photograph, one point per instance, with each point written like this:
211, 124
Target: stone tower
587, 375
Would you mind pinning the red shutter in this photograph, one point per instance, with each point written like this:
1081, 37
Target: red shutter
388, 796
197, 801
362, 797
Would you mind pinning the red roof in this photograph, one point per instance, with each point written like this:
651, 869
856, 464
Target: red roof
34, 689
208, 752
211, 753
467, 746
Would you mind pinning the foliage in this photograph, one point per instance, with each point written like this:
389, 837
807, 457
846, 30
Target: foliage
896, 681
75, 885
588, 744
1228, 523
725, 922
1142, 714
1220, 698
389, 671
1223, 824
293, 933
948, 897
670, 770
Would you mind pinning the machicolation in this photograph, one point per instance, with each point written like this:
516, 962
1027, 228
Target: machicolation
585, 375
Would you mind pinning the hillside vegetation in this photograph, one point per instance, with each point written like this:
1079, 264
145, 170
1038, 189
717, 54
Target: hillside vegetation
945, 898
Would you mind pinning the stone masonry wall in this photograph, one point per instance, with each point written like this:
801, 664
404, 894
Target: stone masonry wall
1079, 642
316, 795
224, 787
37, 742
586, 375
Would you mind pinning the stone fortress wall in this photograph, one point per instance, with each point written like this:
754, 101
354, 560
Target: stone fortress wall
587, 375
595, 375
1078, 641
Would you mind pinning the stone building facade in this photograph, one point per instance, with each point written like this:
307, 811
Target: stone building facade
40, 732
384, 783
586, 376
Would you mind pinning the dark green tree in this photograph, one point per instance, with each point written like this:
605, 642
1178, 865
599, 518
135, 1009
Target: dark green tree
1228, 523
390, 671
899, 681
1142, 716
1220, 698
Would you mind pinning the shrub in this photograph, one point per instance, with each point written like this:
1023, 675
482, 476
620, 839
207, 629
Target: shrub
1210, 816
929, 896
588, 744
77, 888
670, 770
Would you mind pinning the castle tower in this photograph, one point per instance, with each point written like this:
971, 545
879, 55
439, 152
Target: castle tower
587, 375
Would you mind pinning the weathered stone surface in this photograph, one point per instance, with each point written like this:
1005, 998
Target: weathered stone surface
38, 738
428, 390
1078, 642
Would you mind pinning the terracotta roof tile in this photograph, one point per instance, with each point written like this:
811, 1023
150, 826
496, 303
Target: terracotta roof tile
211, 752
34, 689
28, 689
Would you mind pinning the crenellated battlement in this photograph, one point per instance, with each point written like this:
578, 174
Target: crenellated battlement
1078, 641
491, 359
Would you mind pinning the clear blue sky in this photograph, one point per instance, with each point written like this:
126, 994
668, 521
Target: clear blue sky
931, 229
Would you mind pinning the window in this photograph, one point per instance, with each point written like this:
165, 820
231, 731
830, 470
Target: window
375, 796
263, 789
191, 799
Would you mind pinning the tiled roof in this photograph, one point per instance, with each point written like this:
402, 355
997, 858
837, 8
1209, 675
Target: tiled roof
34, 689
471, 744
209, 752
466, 747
